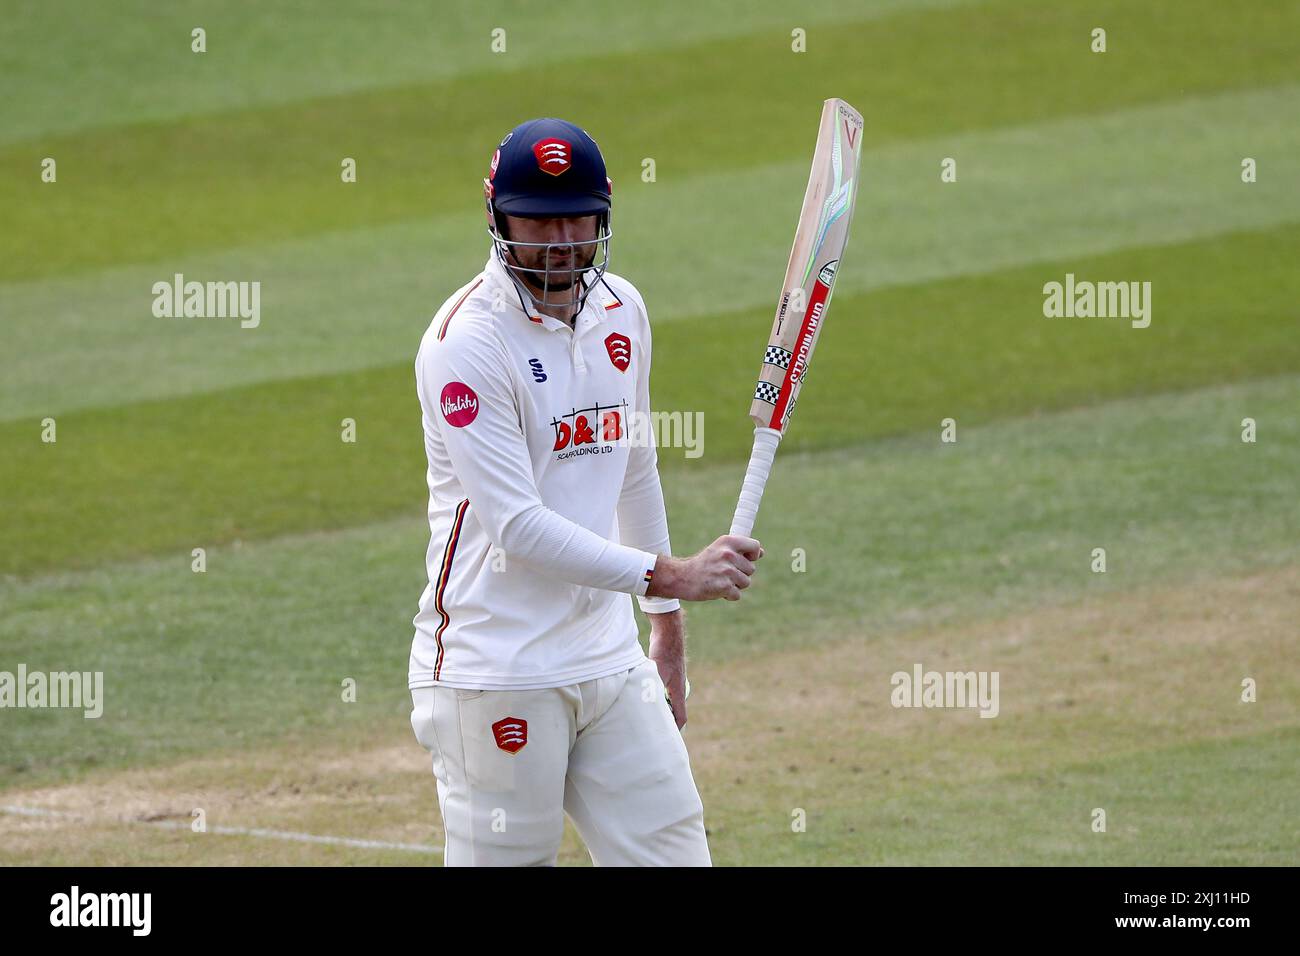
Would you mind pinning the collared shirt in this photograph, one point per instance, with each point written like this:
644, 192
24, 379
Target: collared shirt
544, 518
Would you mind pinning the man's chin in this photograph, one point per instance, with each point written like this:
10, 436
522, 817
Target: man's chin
552, 288
548, 293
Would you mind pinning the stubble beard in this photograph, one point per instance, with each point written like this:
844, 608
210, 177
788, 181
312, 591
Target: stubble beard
536, 282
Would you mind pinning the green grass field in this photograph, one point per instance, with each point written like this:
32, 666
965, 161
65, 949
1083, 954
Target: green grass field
1119, 691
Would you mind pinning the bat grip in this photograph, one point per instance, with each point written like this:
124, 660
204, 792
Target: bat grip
751, 492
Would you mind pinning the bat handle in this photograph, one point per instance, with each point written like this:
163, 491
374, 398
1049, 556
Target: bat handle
751, 492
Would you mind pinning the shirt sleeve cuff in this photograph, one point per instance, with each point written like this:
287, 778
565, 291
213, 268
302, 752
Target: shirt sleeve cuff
658, 605
648, 562
652, 605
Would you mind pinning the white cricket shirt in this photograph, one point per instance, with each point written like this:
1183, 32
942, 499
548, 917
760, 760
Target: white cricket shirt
542, 525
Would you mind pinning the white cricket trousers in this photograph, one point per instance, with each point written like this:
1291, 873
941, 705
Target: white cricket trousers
510, 764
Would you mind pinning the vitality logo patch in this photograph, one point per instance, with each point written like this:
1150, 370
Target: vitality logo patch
459, 404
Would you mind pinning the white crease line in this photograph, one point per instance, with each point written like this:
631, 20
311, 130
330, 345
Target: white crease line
234, 831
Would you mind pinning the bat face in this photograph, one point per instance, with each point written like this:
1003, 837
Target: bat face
814, 260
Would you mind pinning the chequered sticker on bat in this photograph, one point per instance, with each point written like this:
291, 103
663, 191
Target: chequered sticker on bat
775, 355
767, 392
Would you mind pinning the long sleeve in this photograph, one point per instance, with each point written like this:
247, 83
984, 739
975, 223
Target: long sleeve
642, 517
465, 388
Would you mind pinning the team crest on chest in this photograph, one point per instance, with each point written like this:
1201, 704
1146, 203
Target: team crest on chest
619, 347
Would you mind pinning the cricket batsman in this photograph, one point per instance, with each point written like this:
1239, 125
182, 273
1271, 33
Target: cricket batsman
528, 682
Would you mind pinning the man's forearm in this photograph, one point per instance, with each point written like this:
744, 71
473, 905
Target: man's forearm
668, 631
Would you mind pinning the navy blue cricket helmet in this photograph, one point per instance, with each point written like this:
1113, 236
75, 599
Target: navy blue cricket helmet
549, 169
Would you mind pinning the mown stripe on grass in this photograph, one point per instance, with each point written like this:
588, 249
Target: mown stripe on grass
261, 54
896, 534
151, 191
1082, 186
268, 459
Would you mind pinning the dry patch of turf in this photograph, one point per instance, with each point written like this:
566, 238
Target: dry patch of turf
1088, 680
1087, 689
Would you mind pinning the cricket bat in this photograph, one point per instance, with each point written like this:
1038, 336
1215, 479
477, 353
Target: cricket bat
819, 242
